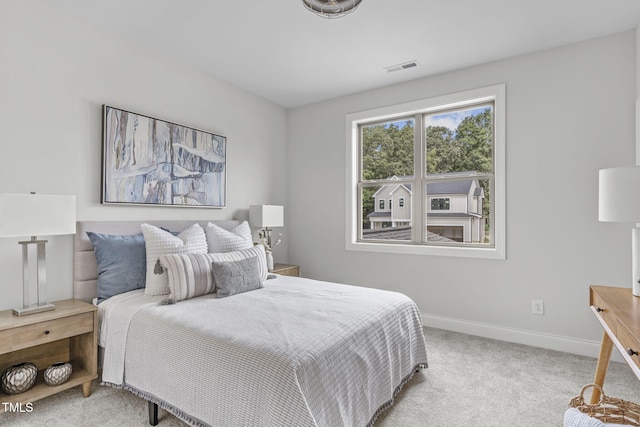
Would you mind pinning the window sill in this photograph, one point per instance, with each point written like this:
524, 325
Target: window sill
432, 250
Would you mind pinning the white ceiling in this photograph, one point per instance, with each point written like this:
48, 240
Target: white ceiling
279, 50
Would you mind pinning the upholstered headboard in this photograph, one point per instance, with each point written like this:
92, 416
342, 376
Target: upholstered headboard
85, 266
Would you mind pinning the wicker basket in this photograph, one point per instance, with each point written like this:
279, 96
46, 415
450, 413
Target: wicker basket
608, 409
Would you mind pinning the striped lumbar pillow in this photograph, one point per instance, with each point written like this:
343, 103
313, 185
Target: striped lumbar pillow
189, 275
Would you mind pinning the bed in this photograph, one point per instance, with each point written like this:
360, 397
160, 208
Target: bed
296, 352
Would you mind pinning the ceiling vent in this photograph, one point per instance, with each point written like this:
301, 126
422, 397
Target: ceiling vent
406, 65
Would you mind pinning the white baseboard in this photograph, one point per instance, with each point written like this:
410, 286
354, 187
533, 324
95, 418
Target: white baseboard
519, 336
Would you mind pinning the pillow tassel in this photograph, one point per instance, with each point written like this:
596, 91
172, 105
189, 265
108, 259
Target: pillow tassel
158, 267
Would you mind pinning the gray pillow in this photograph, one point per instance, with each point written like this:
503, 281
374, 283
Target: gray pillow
122, 263
234, 277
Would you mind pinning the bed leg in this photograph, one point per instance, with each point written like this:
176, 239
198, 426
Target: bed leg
153, 413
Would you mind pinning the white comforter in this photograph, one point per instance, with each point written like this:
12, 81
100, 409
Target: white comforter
296, 353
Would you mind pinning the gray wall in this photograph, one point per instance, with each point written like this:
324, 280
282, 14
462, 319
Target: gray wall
570, 112
56, 72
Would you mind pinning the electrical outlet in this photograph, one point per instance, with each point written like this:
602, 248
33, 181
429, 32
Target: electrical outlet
537, 307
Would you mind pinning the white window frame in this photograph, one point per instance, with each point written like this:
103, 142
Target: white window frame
495, 94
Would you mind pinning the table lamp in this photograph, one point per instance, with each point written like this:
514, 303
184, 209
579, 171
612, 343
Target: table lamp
266, 216
36, 215
619, 201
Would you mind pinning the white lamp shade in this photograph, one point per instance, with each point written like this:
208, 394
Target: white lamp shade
266, 216
619, 194
37, 215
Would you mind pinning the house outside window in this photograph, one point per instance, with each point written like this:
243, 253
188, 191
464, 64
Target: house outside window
439, 163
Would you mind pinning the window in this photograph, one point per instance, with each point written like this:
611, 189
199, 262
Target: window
439, 204
445, 156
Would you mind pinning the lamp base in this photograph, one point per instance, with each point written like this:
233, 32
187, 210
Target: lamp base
33, 309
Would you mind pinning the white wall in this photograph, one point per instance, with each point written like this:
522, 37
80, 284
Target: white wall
56, 72
570, 112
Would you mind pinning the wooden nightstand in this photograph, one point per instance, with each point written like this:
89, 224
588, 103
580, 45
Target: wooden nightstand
287, 269
66, 334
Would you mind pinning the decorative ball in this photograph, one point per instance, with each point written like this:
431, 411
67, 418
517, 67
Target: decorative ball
58, 373
19, 378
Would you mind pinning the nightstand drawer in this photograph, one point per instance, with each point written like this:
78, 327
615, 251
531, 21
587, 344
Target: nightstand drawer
629, 343
43, 332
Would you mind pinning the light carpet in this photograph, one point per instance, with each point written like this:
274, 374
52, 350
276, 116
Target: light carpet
471, 381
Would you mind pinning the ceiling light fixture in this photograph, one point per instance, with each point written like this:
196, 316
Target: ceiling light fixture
331, 8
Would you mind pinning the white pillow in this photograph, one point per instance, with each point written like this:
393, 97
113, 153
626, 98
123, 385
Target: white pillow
221, 240
159, 242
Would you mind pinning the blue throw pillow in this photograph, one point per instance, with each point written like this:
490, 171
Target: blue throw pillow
122, 263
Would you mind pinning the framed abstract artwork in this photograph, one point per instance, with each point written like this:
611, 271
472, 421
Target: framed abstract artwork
148, 161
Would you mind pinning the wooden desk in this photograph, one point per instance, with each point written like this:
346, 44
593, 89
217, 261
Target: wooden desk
618, 311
